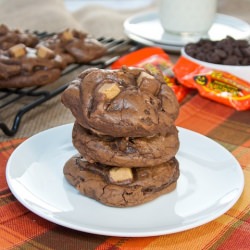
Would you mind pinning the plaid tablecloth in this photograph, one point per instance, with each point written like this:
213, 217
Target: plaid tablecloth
22, 229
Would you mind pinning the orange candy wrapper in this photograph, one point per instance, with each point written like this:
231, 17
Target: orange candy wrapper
155, 59
216, 85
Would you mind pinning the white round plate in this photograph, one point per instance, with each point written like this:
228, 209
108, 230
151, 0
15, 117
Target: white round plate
210, 183
147, 26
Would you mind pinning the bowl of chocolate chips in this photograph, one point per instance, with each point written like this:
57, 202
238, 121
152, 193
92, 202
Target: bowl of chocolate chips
229, 55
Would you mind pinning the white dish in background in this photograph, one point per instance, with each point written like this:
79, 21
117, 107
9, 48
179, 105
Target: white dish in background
210, 183
242, 72
166, 47
147, 26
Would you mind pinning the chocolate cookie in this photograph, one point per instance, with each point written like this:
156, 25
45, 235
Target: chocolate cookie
76, 45
81, 46
21, 66
125, 152
128, 102
9, 38
121, 187
55, 45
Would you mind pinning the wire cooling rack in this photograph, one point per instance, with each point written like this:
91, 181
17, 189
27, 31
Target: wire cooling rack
40, 94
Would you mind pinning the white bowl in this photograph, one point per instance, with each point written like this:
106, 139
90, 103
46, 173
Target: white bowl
242, 72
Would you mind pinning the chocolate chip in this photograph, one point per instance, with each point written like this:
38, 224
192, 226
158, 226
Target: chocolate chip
231, 60
246, 52
213, 58
245, 61
201, 57
242, 43
237, 52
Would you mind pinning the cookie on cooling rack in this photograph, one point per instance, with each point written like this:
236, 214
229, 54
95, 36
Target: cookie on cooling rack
81, 46
121, 187
22, 66
125, 152
76, 44
54, 44
9, 38
128, 102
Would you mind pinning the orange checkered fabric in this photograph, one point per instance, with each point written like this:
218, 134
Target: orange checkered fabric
21, 229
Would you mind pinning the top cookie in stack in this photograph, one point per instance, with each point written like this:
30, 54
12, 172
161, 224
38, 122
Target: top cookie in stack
129, 102
125, 134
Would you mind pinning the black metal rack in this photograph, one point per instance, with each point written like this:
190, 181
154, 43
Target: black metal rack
40, 94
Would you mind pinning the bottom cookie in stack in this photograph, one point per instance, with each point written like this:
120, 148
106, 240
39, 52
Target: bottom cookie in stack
121, 186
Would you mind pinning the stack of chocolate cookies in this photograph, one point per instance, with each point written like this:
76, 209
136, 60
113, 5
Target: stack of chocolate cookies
125, 135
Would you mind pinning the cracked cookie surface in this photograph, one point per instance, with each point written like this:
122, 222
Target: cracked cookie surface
93, 181
129, 102
125, 152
